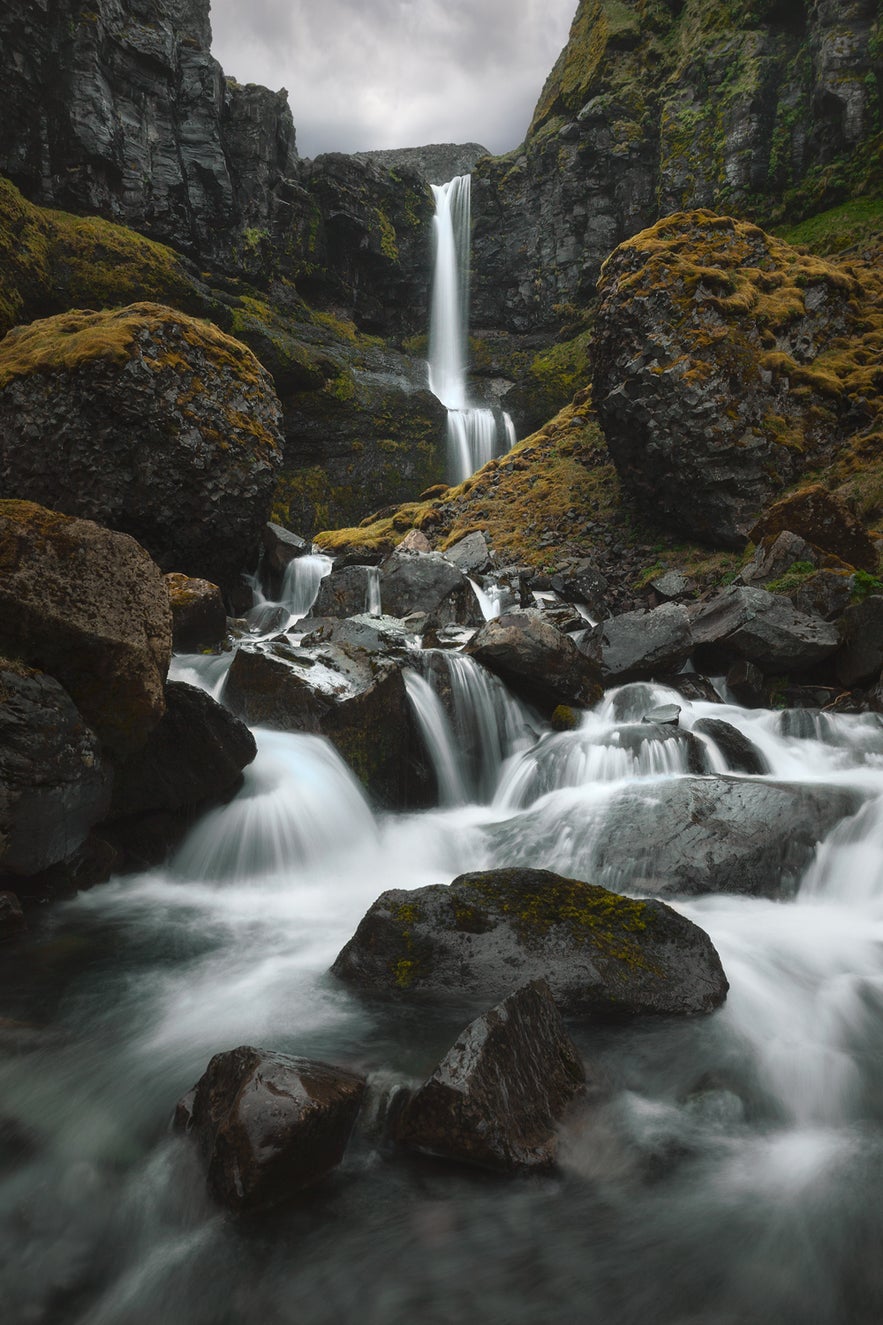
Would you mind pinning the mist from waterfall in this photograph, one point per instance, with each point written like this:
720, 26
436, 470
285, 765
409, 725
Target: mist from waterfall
475, 434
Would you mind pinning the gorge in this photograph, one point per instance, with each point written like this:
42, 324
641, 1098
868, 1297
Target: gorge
430, 894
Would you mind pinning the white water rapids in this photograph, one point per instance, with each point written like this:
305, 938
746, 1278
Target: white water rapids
732, 1177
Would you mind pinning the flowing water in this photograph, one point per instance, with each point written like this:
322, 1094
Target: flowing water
475, 434
732, 1176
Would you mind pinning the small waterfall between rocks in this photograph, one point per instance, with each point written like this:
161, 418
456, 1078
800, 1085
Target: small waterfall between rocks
475, 434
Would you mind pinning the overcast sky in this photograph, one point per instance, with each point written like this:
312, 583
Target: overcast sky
364, 74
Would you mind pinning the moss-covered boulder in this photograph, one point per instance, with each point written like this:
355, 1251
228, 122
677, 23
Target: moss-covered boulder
727, 364
149, 422
486, 933
818, 516
89, 607
199, 620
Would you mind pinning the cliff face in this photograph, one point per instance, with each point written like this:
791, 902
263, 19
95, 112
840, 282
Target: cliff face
766, 108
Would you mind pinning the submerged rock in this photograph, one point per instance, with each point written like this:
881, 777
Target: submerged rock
741, 754
496, 1097
91, 608
267, 1124
54, 782
483, 933
537, 660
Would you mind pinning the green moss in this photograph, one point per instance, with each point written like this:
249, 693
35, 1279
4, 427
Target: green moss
847, 226
793, 577
864, 585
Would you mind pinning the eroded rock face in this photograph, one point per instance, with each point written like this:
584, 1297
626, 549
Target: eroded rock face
91, 608
54, 780
538, 661
706, 330
599, 952
146, 421
268, 1125
497, 1095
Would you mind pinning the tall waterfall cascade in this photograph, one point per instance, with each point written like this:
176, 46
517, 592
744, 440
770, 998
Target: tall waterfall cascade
475, 434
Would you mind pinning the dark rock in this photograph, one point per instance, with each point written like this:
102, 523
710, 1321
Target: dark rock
827, 594
485, 932
268, 1125
172, 435
540, 663
581, 581
281, 547
354, 697
741, 754
54, 782
436, 163
775, 556
861, 656
199, 620
471, 554
819, 517
716, 835
690, 685
666, 714
193, 757
496, 1097
427, 582
89, 607
761, 627
636, 736
344, 592
747, 684
671, 585
641, 644
12, 919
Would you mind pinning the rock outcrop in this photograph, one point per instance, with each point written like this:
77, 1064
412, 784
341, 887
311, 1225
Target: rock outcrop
146, 421
268, 1124
486, 932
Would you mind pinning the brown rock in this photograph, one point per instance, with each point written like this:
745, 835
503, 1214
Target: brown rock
199, 620
90, 607
819, 517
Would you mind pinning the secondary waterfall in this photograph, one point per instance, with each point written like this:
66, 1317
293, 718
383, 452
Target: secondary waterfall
474, 434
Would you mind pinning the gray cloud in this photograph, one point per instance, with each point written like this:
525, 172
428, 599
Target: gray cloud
396, 73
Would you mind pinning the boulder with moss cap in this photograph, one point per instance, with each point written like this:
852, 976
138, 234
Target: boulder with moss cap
146, 421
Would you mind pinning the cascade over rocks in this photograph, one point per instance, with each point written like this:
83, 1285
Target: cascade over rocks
538, 661
495, 1098
89, 607
706, 378
149, 422
599, 952
349, 692
54, 782
268, 1124
741, 754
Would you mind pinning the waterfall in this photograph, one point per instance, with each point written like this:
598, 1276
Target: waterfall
372, 591
438, 739
474, 436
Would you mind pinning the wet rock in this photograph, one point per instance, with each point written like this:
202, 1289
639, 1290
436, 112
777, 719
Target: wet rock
760, 627
540, 663
818, 516
485, 932
671, 585
193, 757
636, 737
354, 696
691, 685
12, 919
581, 581
747, 684
497, 1096
89, 607
199, 620
741, 754
161, 426
427, 582
666, 714
54, 781
861, 657
471, 554
642, 644
267, 1125
344, 592
715, 835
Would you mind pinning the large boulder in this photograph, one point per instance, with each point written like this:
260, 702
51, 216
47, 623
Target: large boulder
760, 627
497, 1096
643, 644
146, 421
709, 377
860, 659
486, 932
345, 592
537, 660
199, 620
54, 781
267, 1124
350, 693
685, 836
824, 521
427, 582
90, 607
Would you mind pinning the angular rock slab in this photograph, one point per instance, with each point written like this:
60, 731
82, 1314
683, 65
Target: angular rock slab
763, 628
495, 1098
269, 1124
428, 582
537, 660
642, 644
487, 931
